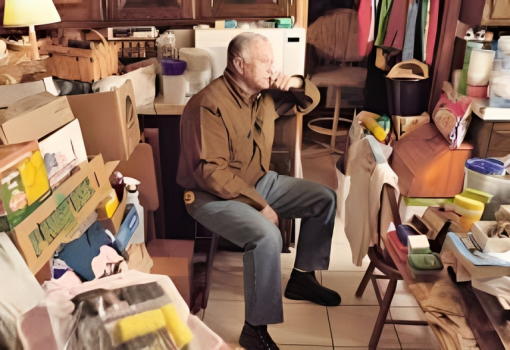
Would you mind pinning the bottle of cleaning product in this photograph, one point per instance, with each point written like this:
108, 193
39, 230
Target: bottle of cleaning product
132, 197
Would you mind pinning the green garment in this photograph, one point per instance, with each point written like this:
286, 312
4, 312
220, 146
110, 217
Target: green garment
383, 21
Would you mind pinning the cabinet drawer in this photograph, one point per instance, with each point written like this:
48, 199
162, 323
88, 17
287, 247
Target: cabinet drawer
501, 126
497, 154
500, 141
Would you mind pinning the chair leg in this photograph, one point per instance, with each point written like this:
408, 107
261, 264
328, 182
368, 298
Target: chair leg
366, 278
336, 114
383, 313
208, 275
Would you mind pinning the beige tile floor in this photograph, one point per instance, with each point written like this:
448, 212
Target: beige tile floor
309, 326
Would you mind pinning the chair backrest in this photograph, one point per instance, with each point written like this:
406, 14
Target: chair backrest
335, 36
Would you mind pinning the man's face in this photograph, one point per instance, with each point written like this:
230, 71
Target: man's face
258, 68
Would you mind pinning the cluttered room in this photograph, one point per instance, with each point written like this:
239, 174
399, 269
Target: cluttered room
255, 174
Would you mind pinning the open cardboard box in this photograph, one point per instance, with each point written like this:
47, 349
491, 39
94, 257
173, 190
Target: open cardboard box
40, 234
33, 117
109, 122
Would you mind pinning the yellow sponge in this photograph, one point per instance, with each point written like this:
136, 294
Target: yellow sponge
138, 325
468, 203
179, 330
108, 206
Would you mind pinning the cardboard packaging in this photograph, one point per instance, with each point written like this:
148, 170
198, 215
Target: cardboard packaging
33, 117
24, 185
109, 122
12, 93
71, 204
408, 124
174, 258
426, 166
62, 151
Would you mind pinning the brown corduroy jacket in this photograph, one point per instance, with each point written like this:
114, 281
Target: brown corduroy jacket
226, 137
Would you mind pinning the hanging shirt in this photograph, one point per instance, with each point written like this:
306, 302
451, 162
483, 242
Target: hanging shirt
383, 21
397, 25
408, 50
364, 24
431, 36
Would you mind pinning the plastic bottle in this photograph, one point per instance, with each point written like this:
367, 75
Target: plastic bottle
132, 197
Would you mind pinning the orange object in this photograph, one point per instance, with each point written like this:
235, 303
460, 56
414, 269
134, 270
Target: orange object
426, 166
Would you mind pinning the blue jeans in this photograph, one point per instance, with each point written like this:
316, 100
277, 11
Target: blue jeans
246, 227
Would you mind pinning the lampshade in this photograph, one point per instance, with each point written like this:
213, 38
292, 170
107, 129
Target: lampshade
22, 13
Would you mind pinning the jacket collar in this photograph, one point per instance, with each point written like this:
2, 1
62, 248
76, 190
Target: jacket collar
239, 94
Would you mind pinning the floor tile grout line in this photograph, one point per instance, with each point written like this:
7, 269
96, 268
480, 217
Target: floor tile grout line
330, 329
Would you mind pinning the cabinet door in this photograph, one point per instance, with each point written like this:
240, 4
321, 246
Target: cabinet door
150, 9
496, 13
81, 10
245, 8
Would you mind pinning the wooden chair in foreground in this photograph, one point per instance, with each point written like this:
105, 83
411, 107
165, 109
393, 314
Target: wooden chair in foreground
385, 265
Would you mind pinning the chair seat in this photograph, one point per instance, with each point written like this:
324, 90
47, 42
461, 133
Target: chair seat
325, 76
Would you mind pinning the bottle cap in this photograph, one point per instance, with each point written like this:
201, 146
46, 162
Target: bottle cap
131, 184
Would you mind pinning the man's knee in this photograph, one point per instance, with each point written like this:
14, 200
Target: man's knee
266, 236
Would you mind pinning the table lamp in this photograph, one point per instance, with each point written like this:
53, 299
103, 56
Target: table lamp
22, 13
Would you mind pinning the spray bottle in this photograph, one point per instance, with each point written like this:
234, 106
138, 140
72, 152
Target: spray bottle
132, 197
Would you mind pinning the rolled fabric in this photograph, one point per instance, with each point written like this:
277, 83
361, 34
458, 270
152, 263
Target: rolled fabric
173, 67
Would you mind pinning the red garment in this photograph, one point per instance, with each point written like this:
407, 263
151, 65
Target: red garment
431, 38
396, 30
364, 21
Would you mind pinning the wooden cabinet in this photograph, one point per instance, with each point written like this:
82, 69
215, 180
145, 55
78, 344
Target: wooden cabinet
496, 13
489, 138
81, 10
108, 10
244, 8
150, 9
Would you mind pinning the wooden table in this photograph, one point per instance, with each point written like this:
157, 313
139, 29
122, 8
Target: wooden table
489, 323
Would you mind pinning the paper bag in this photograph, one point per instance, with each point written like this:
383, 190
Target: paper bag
452, 115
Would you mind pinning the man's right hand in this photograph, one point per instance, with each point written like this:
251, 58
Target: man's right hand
270, 214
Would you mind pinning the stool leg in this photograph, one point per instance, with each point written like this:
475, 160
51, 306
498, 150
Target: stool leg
336, 114
383, 313
366, 278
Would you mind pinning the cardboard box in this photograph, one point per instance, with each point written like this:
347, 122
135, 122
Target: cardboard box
426, 166
109, 122
33, 117
407, 124
174, 258
24, 185
417, 206
12, 93
39, 235
62, 150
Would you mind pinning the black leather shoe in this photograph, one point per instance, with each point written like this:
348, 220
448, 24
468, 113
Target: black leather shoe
256, 338
304, 286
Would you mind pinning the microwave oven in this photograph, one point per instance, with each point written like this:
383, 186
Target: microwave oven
288, 47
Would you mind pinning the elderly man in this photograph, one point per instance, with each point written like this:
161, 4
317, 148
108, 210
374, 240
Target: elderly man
227, 134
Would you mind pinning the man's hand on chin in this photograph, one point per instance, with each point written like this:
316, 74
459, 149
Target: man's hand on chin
284, 82
270, 214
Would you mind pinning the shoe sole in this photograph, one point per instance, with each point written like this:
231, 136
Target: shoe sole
298, 297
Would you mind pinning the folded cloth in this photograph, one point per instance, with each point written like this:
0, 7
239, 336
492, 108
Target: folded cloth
445, 315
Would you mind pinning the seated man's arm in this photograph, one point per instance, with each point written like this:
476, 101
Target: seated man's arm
213, 173
298, 92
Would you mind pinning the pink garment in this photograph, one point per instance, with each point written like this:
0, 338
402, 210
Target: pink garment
107, 255
396, 30
431, 38
364, 24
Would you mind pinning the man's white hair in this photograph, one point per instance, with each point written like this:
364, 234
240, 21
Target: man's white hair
240, 44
